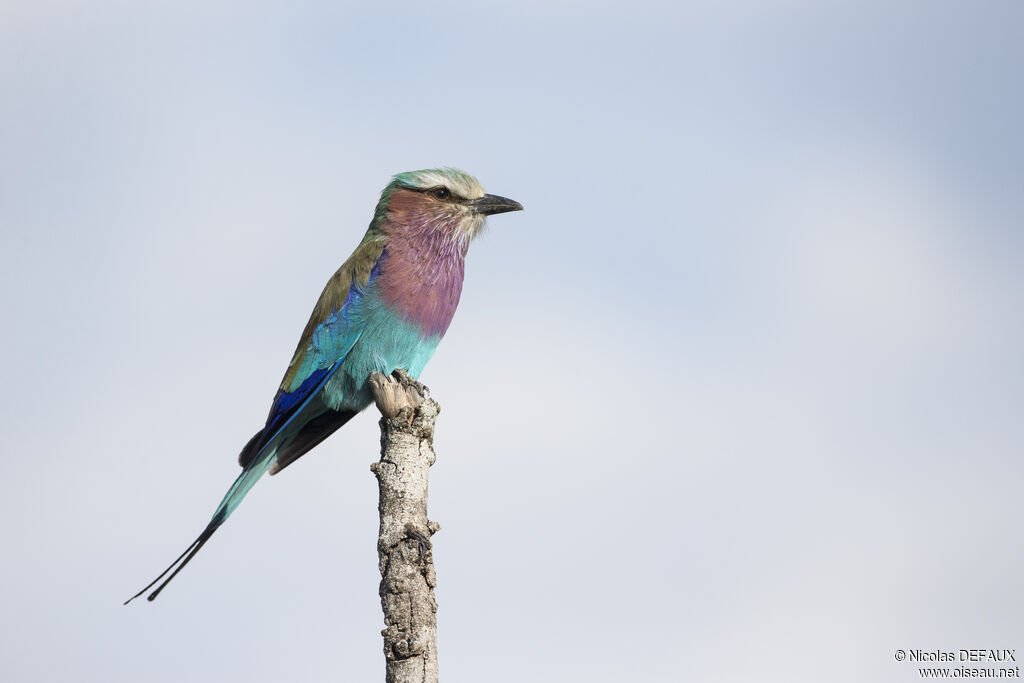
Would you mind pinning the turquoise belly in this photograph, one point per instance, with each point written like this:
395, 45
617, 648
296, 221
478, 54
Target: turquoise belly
387, 343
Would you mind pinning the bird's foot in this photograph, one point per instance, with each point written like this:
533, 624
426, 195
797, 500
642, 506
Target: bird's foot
396, 393
408, 380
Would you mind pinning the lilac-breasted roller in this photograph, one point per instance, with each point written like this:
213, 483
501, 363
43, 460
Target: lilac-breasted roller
386, 308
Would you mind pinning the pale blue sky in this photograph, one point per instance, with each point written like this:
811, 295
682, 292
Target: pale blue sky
737, 397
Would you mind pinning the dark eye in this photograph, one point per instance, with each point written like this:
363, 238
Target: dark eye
442, 193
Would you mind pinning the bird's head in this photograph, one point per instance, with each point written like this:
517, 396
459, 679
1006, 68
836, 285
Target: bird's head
444, 200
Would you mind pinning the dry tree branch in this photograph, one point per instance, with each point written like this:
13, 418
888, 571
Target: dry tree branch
403, 547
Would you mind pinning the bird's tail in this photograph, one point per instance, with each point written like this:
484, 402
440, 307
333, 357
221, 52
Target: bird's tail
246, 480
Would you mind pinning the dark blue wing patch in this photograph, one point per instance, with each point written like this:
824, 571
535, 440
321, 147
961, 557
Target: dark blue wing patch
285, 403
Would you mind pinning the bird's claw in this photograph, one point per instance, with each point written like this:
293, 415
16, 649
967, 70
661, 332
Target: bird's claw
408, 380
397, 393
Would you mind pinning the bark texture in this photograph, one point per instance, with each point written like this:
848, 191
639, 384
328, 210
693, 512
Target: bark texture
403, 546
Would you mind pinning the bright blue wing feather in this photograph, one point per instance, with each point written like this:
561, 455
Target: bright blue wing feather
328, 346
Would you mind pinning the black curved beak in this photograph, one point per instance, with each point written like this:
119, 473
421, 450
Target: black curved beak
491, 204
